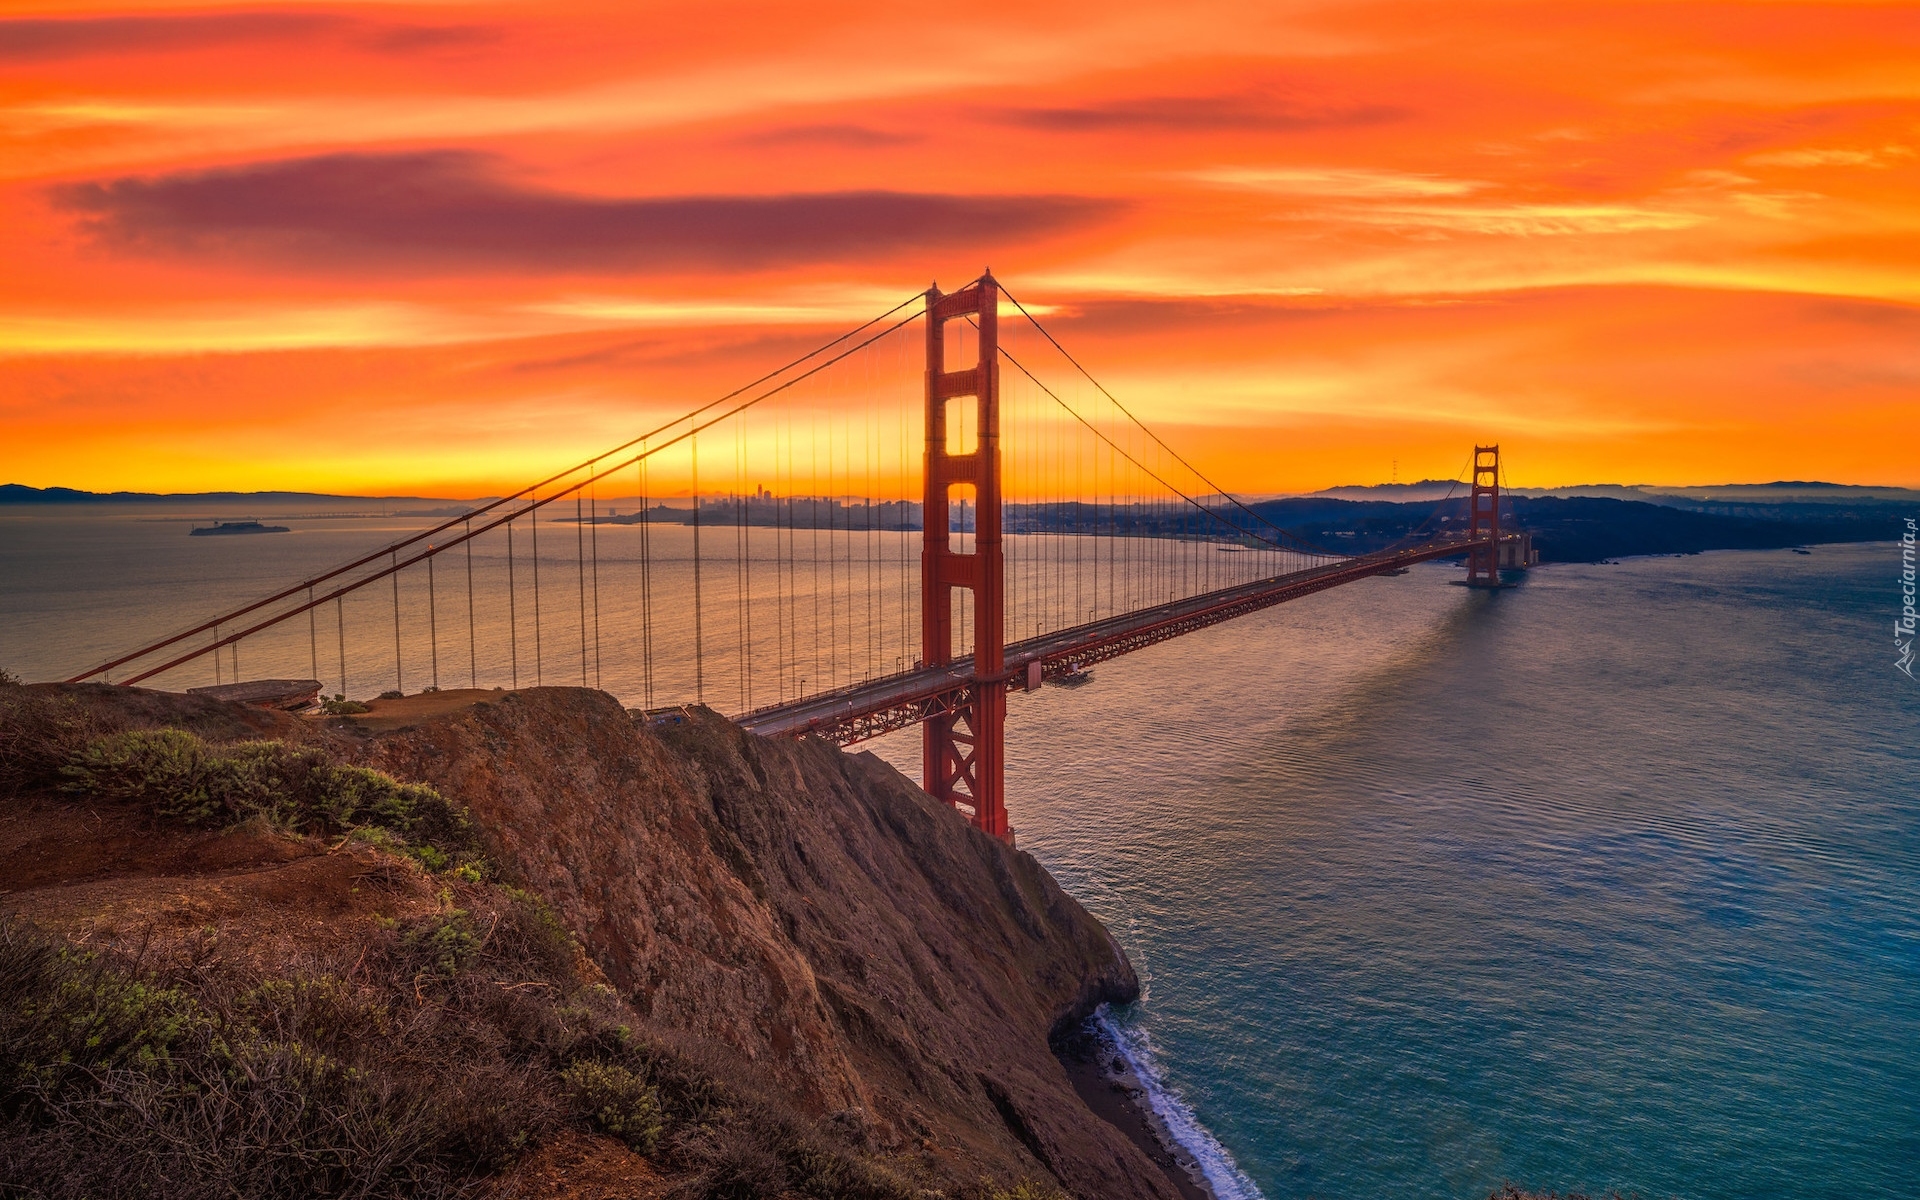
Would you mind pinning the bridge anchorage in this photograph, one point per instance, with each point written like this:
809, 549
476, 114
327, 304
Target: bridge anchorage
766, 561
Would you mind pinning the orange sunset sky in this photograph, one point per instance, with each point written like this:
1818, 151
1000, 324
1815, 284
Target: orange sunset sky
439, 248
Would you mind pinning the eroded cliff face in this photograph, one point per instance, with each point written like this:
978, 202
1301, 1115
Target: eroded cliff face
871, 954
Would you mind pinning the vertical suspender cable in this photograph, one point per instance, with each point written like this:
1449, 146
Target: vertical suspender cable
473, 648
340, 627
733, 519
313, 636
833, 566
539, 657
580, 562
900, 543
813, 528
399, 685
593, 535
1079, 549
793, 566
746, 558
513, 612
869, 501
646, 583
699, 628
433, 624
780, 578
742, 645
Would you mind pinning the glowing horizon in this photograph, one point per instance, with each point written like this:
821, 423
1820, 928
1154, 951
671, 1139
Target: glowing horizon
1661, 244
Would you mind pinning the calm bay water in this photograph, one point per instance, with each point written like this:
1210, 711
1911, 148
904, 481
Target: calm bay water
1611, 880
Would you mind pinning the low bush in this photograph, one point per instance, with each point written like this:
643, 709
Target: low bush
617, 1102
443, 944
40, 732
177, 776
117, 1083
447, 1047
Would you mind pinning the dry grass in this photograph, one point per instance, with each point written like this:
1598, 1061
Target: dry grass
420, 1061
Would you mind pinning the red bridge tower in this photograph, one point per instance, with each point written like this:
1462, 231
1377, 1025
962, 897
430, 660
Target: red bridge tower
964, 747
1483, 519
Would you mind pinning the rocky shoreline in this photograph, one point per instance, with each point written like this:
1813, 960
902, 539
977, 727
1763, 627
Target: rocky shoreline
1109, 1087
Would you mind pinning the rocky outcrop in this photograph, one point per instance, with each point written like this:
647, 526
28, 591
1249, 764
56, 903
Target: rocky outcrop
872, 956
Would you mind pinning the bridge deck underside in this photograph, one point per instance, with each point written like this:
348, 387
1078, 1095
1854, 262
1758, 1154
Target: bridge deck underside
897, 701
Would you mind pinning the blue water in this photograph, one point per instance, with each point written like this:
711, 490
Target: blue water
1608, 881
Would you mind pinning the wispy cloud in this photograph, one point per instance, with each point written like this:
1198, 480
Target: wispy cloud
1436, 203
1527, 220
851, 306
1196, 114
1355, 182
231, 329
446, 210
1885, 156
28, 39
842, 134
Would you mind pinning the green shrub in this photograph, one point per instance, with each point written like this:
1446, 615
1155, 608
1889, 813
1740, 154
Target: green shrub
177, 776
530, 938
617, 1101
315, 1010
63, 1012
40, 731
164, 770
442, 944
114, 1084
413, 1065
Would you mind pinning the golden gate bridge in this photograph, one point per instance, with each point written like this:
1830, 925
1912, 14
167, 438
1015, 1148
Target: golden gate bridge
902, 526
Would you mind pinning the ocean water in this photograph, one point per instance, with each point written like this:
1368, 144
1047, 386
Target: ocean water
1608, 881
1611, 880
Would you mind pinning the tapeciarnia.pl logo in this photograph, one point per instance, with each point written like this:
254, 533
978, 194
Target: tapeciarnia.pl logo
1903, 627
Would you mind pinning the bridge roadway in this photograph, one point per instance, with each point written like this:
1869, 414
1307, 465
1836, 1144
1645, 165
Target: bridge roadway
878, 706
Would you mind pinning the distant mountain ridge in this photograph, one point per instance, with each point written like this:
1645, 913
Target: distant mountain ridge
1682, 495
20, 493
1594, 528
1425, 489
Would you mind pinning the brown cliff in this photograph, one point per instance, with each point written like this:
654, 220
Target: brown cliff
809, 908
870, 961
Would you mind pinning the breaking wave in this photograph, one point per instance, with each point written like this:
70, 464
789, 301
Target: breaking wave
1224, 1176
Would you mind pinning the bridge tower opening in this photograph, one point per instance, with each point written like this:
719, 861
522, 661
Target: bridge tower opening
1483, 519
964, 747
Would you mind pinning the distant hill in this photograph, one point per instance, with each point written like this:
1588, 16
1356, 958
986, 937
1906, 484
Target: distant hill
1784, 491
20, 493
1587, 528
1426, 489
